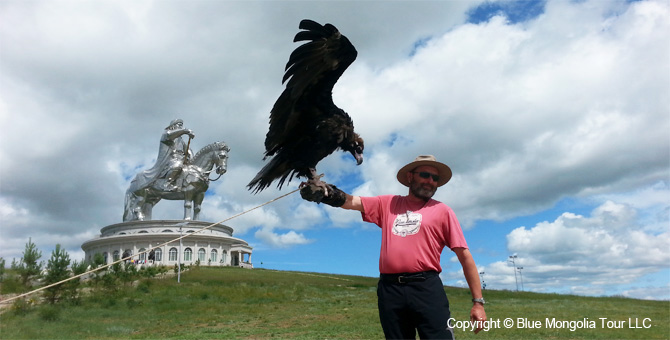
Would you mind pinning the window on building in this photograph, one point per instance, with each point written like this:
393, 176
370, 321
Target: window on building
202, 254
116, 255
173, 254
213, 255
188, 254
143, 257
158, 255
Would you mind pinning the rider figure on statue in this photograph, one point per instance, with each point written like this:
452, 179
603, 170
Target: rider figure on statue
178, 174
173, 154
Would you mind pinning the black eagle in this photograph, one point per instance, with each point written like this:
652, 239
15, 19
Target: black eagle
305, 124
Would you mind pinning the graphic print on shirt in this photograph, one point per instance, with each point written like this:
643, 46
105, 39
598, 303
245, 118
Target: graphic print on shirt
406, 224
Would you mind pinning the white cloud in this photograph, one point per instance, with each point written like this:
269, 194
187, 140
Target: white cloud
590, 254
285, 240
647, 293
518, 108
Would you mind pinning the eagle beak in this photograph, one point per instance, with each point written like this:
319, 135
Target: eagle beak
359, 157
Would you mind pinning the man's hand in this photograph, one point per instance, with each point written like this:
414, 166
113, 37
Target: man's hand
317, 193
311, 192
478, 316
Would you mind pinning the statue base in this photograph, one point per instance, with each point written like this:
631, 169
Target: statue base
214, 246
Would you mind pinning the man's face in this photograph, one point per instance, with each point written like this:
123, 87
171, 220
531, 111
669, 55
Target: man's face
420, 187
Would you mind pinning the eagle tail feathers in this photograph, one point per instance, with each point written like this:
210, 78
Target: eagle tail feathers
275, 169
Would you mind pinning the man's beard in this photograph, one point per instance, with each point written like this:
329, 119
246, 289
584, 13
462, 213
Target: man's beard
422, 192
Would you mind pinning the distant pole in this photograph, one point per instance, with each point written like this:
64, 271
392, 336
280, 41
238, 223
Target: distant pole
483, 283
520, 276
179, 269
513, 257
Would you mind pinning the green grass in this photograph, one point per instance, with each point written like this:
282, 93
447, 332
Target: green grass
225, 303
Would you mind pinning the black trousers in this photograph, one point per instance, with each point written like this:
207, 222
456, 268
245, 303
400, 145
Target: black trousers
409, 304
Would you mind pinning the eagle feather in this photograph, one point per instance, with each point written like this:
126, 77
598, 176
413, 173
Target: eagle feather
305, 124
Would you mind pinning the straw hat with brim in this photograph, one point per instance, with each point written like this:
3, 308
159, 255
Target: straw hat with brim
442, 169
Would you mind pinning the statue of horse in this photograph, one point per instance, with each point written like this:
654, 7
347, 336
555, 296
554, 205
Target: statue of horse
191, 184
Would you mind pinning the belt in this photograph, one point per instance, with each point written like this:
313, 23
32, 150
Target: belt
407, 277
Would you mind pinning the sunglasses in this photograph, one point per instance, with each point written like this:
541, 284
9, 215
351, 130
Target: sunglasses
423, 174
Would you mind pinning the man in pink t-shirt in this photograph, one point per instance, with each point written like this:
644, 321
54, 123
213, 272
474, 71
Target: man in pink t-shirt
415, 229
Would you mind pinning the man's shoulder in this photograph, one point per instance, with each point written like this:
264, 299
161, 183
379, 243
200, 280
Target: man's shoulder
404, 198
381, 197
438, 205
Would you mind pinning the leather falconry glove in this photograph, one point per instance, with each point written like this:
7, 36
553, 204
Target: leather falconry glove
315, 193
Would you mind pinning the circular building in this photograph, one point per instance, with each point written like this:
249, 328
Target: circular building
214, 246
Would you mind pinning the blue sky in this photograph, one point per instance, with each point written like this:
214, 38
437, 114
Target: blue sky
555, 128
513, 11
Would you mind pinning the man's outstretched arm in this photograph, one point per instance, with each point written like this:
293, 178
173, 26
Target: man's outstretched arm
353, 203
477, 313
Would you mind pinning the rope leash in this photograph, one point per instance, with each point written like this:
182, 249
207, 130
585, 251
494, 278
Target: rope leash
148, 250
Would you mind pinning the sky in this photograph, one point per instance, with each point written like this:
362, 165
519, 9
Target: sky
553, 116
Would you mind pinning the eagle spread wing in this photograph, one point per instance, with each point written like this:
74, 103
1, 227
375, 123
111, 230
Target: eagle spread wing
305, 124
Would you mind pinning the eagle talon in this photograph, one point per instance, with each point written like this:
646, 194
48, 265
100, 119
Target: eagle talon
315, 190
317, 182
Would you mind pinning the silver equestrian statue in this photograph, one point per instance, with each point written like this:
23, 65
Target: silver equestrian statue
177, 175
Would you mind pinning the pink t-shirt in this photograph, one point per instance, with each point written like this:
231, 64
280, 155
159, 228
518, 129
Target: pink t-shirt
413, 233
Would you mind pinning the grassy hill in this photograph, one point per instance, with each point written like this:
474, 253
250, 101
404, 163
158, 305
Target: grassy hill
225, 303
